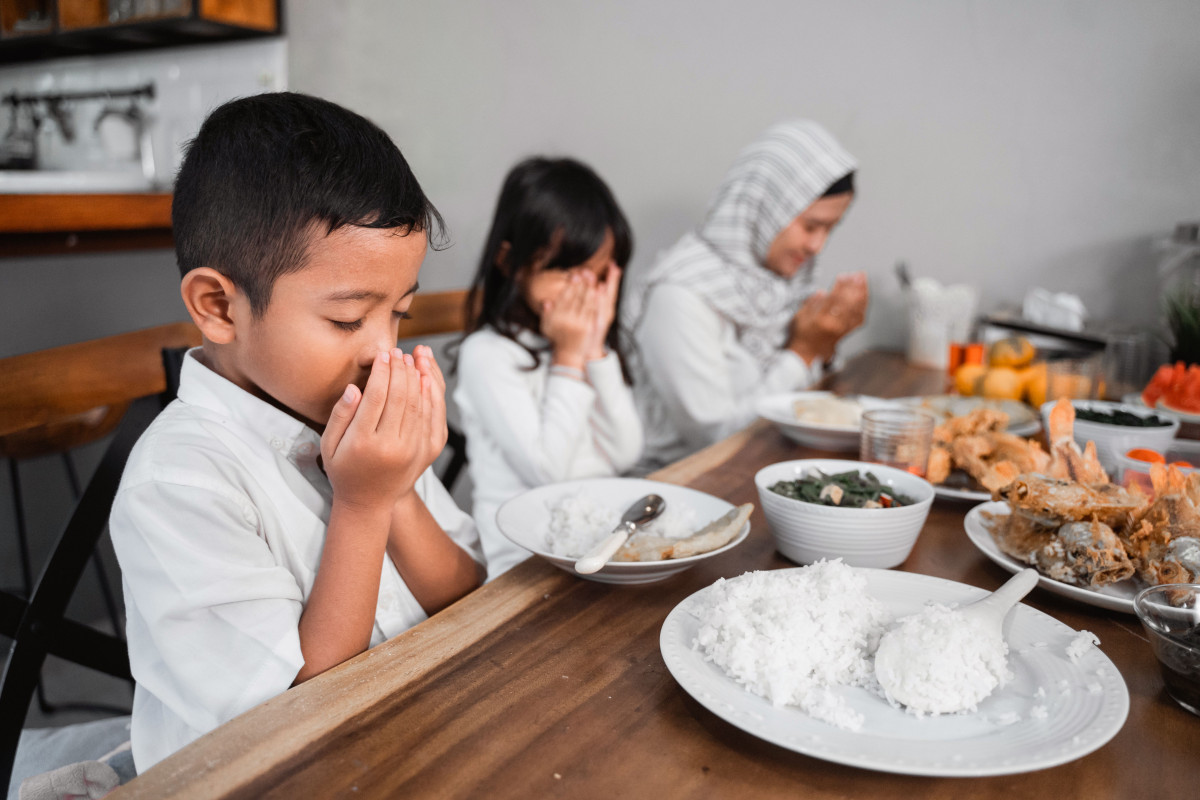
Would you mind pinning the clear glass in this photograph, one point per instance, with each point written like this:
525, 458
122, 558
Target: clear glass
1127, 364
1171, 616
898, 437
1073, 378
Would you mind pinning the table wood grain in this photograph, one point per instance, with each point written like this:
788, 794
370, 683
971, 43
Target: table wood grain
541, 684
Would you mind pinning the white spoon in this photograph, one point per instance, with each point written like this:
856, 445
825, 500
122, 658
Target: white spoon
641, 512
944, 661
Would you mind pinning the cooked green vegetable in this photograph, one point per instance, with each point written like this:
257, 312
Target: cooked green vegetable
1119, 417
846, 489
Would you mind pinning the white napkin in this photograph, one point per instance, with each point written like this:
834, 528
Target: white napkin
1054, 309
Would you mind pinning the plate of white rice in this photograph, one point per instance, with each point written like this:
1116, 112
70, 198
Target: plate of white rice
562, 521
787, 655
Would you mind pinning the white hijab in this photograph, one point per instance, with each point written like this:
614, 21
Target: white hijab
770, 184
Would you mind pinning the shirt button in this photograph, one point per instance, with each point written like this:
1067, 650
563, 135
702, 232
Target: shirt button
276, 443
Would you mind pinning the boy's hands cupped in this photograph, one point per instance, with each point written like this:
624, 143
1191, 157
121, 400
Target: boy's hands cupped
379, 441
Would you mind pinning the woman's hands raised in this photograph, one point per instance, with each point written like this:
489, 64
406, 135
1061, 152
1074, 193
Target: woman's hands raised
825, 317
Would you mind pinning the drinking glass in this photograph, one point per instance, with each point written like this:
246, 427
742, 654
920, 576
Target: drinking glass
1073, 378
1171, 616
898, 437
1127, 364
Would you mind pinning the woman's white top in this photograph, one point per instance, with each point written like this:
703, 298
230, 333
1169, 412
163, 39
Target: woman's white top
528, 427
218, 525
699, 383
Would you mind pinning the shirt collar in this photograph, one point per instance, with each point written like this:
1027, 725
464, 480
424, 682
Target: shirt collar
202, 387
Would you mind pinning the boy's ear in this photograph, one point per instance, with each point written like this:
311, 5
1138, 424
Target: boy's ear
209, 298
502, 259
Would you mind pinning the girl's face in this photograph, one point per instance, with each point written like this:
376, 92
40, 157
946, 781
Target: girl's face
540, 284
805, 236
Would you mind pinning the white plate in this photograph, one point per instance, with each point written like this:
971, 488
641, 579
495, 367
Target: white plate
950, 493
1022, 420
1184, 416
1114, 597
526, 518
781, 410
1079, 719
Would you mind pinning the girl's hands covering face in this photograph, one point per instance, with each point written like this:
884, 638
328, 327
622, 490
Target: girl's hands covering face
379, 441
568, 321
607, 292
825, 317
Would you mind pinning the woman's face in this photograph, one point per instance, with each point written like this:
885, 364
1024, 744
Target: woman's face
541, 285
805, 236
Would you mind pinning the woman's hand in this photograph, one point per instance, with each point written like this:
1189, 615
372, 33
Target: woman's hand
379, 441
606, 294
568, 321
825, 317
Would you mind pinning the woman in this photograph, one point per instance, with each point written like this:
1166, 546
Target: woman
730, 312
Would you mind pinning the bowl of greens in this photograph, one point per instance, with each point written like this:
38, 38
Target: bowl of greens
868, 515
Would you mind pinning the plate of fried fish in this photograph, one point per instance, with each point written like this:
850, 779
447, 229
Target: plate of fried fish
1090, 539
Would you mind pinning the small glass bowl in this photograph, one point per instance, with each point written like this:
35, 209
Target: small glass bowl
1171, 616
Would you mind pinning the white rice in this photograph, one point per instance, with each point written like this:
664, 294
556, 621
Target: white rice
578, 523
1079, 645
791, 636
944, 663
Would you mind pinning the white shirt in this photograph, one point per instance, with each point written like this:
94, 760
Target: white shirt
695, 383
528, 427
218, 525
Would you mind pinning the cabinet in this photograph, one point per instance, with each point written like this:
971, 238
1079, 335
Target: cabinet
35, 29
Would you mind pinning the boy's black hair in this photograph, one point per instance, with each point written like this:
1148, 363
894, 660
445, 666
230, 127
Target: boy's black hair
843, 185
267, 173
556, 211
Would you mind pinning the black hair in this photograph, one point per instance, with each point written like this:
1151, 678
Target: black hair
554, 213
267, 173
843, 185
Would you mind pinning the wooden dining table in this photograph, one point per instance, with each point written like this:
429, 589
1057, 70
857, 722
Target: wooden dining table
543, 684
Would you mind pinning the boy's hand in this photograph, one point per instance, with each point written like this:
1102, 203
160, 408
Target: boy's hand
377, 442
431, 373
568, 321
605, 309
825, 317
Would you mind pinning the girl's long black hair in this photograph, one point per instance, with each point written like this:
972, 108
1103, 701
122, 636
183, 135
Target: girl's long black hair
555, 211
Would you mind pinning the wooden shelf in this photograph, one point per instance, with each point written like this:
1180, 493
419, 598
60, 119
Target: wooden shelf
82, 27
55, 224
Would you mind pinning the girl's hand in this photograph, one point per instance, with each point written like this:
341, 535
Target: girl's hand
607, 293
379, 441
567, 322
825, 317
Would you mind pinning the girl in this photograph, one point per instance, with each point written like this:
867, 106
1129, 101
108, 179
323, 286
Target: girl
729, 313
542, 390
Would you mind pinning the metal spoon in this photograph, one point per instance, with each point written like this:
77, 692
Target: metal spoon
639, 513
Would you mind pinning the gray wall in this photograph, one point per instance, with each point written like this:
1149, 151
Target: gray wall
1005, 143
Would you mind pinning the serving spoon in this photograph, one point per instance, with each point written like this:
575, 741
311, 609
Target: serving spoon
641, 512
909, 679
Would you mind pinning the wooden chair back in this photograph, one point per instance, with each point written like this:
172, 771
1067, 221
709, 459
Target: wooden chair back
436, 313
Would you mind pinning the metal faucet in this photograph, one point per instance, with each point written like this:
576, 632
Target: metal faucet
140, 122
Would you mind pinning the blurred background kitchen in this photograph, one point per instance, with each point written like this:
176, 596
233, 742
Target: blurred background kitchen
1003, 145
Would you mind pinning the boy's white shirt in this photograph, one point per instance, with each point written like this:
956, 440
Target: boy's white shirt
694, 382
529, 427
218, 525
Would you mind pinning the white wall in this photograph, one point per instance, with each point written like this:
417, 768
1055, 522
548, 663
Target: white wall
1008, 143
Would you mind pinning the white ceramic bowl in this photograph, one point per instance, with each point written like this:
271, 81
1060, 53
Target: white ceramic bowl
1113, 441
525, 519
781, 410
862, 537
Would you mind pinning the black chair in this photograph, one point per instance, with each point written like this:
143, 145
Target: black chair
38, 626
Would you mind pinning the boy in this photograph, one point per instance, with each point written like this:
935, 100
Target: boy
280, 517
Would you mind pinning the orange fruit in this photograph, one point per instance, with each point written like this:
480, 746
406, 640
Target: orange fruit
1014, 351
967, 377
1035, 384
1002, 383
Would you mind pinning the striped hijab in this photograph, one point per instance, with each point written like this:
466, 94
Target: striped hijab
770, 184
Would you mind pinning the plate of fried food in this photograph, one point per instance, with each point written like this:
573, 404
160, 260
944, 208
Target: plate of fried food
1090, 539
975, 454
1020, 419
